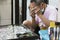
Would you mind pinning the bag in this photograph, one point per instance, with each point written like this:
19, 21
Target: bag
44, 34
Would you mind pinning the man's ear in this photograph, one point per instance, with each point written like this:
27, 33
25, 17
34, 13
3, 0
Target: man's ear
42, 4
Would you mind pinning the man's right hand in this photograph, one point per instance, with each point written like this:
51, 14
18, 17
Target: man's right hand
32, 5
32, 14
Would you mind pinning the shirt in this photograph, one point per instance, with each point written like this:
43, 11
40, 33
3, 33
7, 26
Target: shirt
50, 13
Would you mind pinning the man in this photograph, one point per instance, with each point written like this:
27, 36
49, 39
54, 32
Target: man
42, 14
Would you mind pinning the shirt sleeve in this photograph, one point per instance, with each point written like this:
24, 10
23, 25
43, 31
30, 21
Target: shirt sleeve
36, 19
53, 15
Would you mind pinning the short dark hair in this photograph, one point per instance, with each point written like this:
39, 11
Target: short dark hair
33, 1
38, 2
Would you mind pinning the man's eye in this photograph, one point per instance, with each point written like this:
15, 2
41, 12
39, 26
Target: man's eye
42, 4
28, 7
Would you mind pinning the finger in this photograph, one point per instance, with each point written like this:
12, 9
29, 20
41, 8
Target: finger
37, 10
32, 14
33, 8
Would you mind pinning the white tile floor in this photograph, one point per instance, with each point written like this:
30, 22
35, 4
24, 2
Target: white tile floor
6, 33
10, 32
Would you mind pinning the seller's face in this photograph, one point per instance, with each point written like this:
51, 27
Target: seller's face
32, 5
42, 5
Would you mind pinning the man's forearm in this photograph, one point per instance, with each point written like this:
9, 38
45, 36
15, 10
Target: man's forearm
45, 20
34, 22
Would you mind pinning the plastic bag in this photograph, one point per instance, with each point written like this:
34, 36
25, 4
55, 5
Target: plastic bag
44, 34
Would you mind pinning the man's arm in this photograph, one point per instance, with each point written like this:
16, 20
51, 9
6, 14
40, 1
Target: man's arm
45, 20
52, 17
34, 24
32, 14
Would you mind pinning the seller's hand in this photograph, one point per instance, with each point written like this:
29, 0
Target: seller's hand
37, 11
32, 14
31, 8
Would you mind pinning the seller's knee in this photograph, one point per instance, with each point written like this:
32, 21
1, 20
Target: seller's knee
27, 23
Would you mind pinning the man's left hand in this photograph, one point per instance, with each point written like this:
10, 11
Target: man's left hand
37, 11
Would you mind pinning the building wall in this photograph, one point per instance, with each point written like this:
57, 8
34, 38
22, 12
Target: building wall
28, 13
13, 11
5, 12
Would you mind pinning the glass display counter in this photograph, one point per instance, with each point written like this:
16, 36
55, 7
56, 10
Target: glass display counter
23, 33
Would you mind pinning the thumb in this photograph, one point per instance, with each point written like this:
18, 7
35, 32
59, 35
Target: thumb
37, 10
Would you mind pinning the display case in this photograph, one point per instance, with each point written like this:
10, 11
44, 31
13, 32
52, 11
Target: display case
23, 33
